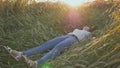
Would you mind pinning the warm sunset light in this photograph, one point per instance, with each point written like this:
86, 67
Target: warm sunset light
74, 3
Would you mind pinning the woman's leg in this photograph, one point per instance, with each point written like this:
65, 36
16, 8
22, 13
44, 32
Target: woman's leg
46, 46
58, 49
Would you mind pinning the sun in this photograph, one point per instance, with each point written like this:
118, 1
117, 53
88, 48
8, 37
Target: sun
74, 3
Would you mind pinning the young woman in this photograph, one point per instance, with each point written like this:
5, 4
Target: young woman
57, 45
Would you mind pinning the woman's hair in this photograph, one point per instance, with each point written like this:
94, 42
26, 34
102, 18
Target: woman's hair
90, 29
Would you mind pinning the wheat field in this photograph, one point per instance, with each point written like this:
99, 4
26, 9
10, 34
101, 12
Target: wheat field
25, 24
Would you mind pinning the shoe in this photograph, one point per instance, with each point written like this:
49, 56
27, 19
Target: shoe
15, 54
30, 63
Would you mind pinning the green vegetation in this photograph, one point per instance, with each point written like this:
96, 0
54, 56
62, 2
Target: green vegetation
23, 26
103, 52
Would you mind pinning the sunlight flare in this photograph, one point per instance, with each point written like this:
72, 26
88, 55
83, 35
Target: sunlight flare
74, 3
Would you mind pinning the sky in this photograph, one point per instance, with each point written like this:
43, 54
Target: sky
65, 0
69, 2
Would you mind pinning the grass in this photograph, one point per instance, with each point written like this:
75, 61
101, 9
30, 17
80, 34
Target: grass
23, 26
103, 52
27, 27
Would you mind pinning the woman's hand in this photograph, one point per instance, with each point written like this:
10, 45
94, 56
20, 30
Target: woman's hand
93, 38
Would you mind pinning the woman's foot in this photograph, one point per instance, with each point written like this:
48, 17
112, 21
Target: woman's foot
30, 63
18, 56
15, 54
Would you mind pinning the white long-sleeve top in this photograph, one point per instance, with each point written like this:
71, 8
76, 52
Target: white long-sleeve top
81, 34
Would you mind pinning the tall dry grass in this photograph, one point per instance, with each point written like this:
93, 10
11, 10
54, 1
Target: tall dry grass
23, 26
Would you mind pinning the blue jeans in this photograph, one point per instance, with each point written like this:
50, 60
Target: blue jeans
57, 45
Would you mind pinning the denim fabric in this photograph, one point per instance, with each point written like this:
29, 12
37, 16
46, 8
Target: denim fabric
57, 45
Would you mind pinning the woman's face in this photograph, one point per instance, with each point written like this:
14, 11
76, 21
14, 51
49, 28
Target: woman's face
86, 28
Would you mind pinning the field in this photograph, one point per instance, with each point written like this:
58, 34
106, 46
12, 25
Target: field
23, 26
